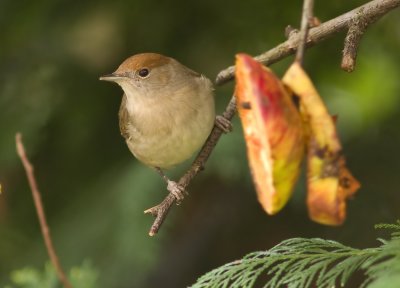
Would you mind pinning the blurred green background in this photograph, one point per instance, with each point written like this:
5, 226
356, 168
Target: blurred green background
52, 54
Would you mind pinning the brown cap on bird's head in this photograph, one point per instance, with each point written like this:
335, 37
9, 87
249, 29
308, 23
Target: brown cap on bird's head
137, 62
143, 60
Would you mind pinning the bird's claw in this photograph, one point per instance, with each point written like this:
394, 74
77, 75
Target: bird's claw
177, 190
222, 123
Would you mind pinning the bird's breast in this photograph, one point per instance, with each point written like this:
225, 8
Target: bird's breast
166, 132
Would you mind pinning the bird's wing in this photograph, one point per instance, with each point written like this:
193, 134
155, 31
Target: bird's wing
123, 118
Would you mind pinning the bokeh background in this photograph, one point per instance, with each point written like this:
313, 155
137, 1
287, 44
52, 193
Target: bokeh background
51, 56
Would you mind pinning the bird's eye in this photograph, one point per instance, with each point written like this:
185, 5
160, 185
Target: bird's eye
143, 72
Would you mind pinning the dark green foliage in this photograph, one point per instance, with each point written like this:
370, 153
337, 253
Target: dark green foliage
384, 269
301, 262
84, 276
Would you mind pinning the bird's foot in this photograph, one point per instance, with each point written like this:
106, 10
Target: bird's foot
174, 188
224, 124
177, 190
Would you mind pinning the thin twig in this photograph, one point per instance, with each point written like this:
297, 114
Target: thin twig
351, 43
372, 10
306, 16
161, 210
40, 212
356, 30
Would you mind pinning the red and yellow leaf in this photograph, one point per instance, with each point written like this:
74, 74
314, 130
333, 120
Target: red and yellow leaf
329, 182
273, 132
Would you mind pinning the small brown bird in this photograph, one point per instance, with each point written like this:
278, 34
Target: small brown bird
167, 110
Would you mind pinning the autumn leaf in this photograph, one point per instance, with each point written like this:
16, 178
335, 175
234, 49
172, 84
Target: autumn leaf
329, 182
273, 132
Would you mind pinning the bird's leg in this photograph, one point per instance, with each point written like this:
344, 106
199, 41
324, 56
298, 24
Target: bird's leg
222, 123
177, 190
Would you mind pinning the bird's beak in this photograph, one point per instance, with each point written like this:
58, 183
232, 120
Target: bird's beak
112, 77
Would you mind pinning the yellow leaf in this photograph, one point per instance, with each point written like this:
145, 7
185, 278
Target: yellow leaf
329, 182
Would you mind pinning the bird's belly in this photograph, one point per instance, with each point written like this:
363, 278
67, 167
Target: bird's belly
167, 148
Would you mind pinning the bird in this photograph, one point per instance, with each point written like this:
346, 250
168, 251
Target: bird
166, 113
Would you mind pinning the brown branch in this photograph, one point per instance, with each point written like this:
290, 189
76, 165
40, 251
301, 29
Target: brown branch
161, 210
306, 18
372, 10
356, 30
351, 43
40, 212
